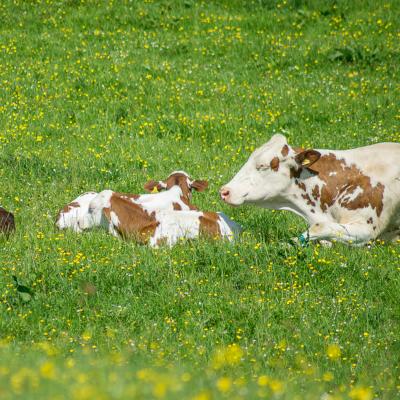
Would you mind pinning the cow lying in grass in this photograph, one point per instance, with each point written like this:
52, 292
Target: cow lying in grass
162, 217
345, 195
7, 223
130, 220
175, 194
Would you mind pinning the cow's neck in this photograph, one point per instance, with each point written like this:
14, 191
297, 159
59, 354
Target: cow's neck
296, 199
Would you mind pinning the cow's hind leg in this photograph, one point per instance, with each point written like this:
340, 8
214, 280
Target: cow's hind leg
356, 234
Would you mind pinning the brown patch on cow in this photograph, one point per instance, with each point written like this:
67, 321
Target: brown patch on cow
7, 223
285, 150
134, 222
348, 178
301, 185
187, 202
199, 185
209, 224
307, 197
315, 192
274, 164
176, 206
295, 173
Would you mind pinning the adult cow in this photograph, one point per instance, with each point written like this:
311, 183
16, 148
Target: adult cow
345, 195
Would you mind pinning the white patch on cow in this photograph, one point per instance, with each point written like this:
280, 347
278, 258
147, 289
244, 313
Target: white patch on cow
176, 225
71, 218
95, 215
334, 173
161, 201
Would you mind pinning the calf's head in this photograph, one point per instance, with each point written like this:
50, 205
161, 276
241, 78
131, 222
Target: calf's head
268, 173
178, 178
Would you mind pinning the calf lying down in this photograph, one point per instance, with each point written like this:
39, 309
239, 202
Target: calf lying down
122, 217
175, 193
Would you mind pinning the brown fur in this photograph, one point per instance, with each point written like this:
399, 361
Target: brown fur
285, 150
274, 164
176, 206
345, 182
7, 223
209, 224
134, 222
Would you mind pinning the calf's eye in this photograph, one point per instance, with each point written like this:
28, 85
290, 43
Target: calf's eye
260, 167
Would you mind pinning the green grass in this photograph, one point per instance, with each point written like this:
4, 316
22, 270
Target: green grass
97, 95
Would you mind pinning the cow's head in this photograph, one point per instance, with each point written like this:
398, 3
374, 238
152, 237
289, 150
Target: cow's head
178, 178
268, 173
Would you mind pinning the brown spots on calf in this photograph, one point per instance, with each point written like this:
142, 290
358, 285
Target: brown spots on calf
274, 164
315, 192
7, 224
307, 197
176, 206
285, 150
209, 224
370, 220
187, 202
134, 222
341, 185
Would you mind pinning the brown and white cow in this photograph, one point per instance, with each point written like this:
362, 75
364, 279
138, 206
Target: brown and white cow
7, 223
345, 195
174, 193
122, 217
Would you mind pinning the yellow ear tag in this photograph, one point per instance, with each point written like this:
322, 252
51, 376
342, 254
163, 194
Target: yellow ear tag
306, 161
155, 190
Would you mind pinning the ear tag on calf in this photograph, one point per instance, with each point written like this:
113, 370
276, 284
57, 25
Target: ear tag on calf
305, 162
155, 190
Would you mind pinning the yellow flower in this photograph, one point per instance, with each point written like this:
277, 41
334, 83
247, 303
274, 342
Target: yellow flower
333, 351
230, 355
47, 370
361, 393
263, 380
224, 384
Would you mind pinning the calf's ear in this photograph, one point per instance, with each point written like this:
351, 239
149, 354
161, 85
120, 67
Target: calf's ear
154, 186
307, 157
200, 186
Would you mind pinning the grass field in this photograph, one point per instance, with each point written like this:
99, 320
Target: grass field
97, 95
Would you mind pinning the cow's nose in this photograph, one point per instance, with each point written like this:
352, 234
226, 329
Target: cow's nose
224, 192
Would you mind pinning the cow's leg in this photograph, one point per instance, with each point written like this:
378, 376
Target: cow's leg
357, 233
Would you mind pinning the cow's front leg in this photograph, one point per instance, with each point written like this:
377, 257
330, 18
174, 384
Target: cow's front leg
356, 234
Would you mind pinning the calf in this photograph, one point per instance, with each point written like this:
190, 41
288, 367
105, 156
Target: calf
177, 196
7, 223
75, 214
122, 217
345, 195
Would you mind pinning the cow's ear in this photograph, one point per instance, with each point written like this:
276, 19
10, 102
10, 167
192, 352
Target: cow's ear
154, 186
307, 157
200, 186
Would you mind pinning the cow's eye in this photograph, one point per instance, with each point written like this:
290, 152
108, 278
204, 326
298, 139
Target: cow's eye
261, 167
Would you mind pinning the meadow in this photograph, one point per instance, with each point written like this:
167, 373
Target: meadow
97, 95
